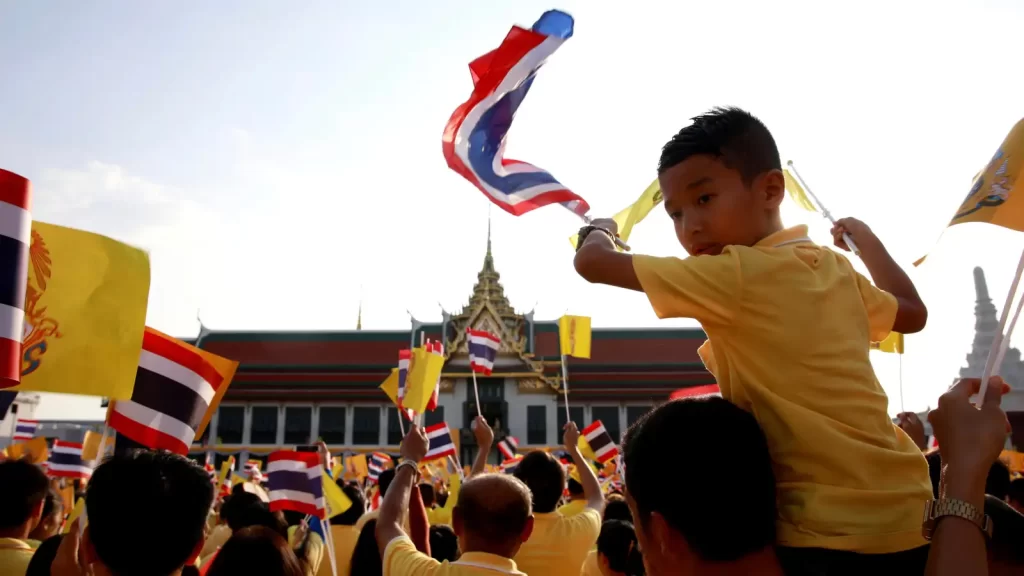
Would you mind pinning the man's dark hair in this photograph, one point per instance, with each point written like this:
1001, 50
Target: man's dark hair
53, 503
355, 511
172, 490
1016, 492
574, 487
1008, 534
444, 545
384, 480
734, 136
427, 493
998, 481
616, 508
24, 487
681, 461
545, 478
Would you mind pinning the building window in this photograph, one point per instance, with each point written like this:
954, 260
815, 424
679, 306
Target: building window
298, 423
394, 428
263, 429
366, 425
332, 425
435, 416
204, 437
230, 421
609, 416
633, 413
491, 389
536, 425
577, 417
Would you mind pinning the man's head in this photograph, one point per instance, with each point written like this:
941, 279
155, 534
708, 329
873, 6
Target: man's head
358, 508
616, 508
721, 178
700, 501
384, 480
52, 518
427, 493
545, 478
172, 492
24, 494
493, 515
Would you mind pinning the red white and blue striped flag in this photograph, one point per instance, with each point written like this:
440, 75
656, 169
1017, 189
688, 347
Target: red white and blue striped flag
483, 349
376, 464
441, 445
404, 361
15, 239
473, 142
508, 447
66, 461
25, 430
294, 482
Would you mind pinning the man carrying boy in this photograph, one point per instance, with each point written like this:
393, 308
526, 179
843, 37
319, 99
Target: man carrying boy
789, 325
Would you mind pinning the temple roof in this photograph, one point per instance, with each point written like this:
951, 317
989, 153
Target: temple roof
986, 326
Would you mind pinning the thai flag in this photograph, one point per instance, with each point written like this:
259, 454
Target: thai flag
404, 360
25, 430
294, 482
483, 349
251, 468
211, 471
600, 441
15, 240
510, 464
66, 461
441, 444
376, 464
473, 142
696, 391
508, 447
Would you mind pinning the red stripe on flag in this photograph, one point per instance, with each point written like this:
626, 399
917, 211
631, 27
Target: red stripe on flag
182, 354
145, 435
16, 190
10, 363
695, 391
300, 507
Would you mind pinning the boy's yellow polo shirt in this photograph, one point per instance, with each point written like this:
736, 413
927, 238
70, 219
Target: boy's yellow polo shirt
789, 325
401, 558
559, 544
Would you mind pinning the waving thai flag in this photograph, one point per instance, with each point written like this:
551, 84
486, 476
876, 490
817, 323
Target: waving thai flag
474, 139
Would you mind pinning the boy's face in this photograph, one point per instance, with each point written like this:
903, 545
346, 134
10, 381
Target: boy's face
711, 207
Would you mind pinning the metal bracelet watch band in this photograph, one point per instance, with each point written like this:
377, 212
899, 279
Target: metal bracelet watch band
586, 230
934, 510
411, 464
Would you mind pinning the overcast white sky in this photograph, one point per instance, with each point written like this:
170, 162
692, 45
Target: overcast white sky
279, 159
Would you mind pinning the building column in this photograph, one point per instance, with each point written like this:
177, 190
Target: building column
314, 423
552, 417
246, 437
279, 440
350, 412
382, 436
210, 455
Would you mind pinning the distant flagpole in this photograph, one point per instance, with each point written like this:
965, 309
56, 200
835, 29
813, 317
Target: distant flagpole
824, 210
565, 388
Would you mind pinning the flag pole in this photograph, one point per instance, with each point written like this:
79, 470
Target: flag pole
824, 211
587, 220
476, 393
565, 388
901, 383
1009, 330
329, 542
991, 367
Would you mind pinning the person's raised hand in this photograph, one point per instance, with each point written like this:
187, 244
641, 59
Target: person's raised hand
859, 232
914, 428
571, 437
69, 561
415, 444
970, 438
483, 432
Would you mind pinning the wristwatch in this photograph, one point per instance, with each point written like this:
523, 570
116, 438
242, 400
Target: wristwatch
934, 510
586, 230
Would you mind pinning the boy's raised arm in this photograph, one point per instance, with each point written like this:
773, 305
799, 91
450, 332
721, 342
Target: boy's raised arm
598, 262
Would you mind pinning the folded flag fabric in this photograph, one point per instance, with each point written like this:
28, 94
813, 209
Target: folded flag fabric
404, 361
509, 465
176, 387
15, 238
441, 445
294, 482
600, 441
483, 349
474, 139
25, 429
694, 391
66, 461
892, 344
508, 447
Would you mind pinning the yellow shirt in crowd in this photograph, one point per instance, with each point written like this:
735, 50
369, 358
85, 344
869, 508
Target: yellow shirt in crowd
14, 556
345, 538
573, 507
315, 552
789, 323
402, 559
592, 565
559, 544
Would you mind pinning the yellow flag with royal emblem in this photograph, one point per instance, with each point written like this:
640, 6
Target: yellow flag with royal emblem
85, 313
631, 215
574, 336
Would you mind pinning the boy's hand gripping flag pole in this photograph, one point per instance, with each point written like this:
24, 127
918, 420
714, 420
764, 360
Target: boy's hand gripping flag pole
820, 207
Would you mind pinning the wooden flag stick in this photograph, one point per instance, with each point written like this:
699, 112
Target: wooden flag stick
824, 211
997, 343
476, 392
565, 388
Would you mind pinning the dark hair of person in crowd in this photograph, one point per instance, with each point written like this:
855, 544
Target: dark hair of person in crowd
171, 489
189, 570
1015, 495
618, 549
616, 508
574, 487
427, 493
258, 514
545, 478
255, 550
43, 557
444, 544
493, 514
293, 518
384, 480
351, 516
1006, 548
442, 498
53, 516
998, 481
24, 491
733, 136
693, 486
366, 560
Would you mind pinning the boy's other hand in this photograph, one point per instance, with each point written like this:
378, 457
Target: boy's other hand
571, 437
858, 231
483, 432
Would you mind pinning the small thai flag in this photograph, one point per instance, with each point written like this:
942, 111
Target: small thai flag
508, 447
294, 482
376, 464
441, 444
66, 461
600, 441
483, 349
696, 391
15, 240
212, 472
404, 360
251, 468
509, 465
25, 430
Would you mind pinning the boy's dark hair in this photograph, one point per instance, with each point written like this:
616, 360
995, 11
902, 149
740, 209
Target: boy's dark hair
384, 480
737, 138
444, 545
694, 486
170, 488
616, 508
574, 487
545, 478
427, 493
998, 481
355, 511
25, 487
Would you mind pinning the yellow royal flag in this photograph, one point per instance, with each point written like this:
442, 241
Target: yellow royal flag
631, 215
356, 466
76, 513
892, 344
85, 311
35, 450
335, 498
390, 386
574, 336
797, 192
91, 445
997, 195
424, 370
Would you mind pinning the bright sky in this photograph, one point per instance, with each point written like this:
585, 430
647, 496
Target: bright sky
280, 161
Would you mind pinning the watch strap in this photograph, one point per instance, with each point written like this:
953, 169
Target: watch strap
937, 509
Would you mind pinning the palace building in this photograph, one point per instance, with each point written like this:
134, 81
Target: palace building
294, 388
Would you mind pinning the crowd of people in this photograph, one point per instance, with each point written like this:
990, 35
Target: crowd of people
796, 469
